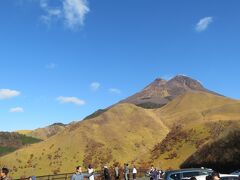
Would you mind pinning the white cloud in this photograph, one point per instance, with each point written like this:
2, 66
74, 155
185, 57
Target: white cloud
71, 12
73, 100
95, 86
75, 11
203, 24
51, 66
167, 77
16, 110
8, 93
115, 90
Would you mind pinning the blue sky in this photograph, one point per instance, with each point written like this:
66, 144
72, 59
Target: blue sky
61, 60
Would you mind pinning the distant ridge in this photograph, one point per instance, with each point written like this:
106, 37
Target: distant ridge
45, 132
11, 141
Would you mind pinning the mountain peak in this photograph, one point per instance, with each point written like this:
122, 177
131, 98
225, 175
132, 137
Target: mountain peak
161, 91
181, 77
157, 83
159, 80
186, 81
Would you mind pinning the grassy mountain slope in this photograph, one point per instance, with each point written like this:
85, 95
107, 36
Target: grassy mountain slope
45, 132
194, 119
191, 107
167, 136
221, 154
124, 133
24, 132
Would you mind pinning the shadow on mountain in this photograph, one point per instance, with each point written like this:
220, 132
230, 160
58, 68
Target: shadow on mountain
222, 155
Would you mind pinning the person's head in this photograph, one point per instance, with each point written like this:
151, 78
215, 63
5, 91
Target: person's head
79, 169
32, 178
215, 176
89, 166
193, 178
4, 172
209, 177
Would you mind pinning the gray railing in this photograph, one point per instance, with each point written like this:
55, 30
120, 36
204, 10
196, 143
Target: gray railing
97, 176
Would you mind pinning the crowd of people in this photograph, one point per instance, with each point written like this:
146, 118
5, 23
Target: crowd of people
117, 173
113, 173
107, 174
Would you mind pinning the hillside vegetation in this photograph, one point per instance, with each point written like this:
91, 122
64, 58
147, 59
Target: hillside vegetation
122, 134
45, 132
194, 122
222, 154
10, 142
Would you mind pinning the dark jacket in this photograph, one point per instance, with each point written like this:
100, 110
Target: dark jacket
106, 174
153, 175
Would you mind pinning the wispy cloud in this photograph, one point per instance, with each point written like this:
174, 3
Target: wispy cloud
16, 110
74, 12
94, 86
74, 100
51, 66
167, 77
8, 93
203, 24
71, 12
115, 91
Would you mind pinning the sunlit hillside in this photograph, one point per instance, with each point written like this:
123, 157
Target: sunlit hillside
125, 133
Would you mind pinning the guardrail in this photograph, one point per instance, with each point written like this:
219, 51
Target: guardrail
97, 176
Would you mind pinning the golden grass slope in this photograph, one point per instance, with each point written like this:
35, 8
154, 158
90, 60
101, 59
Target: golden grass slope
43, 133
125, 133
194, 119
193, 107
24, 132
182, 142
222, 154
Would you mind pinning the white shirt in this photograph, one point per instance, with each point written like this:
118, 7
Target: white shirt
134, 171
89, 172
